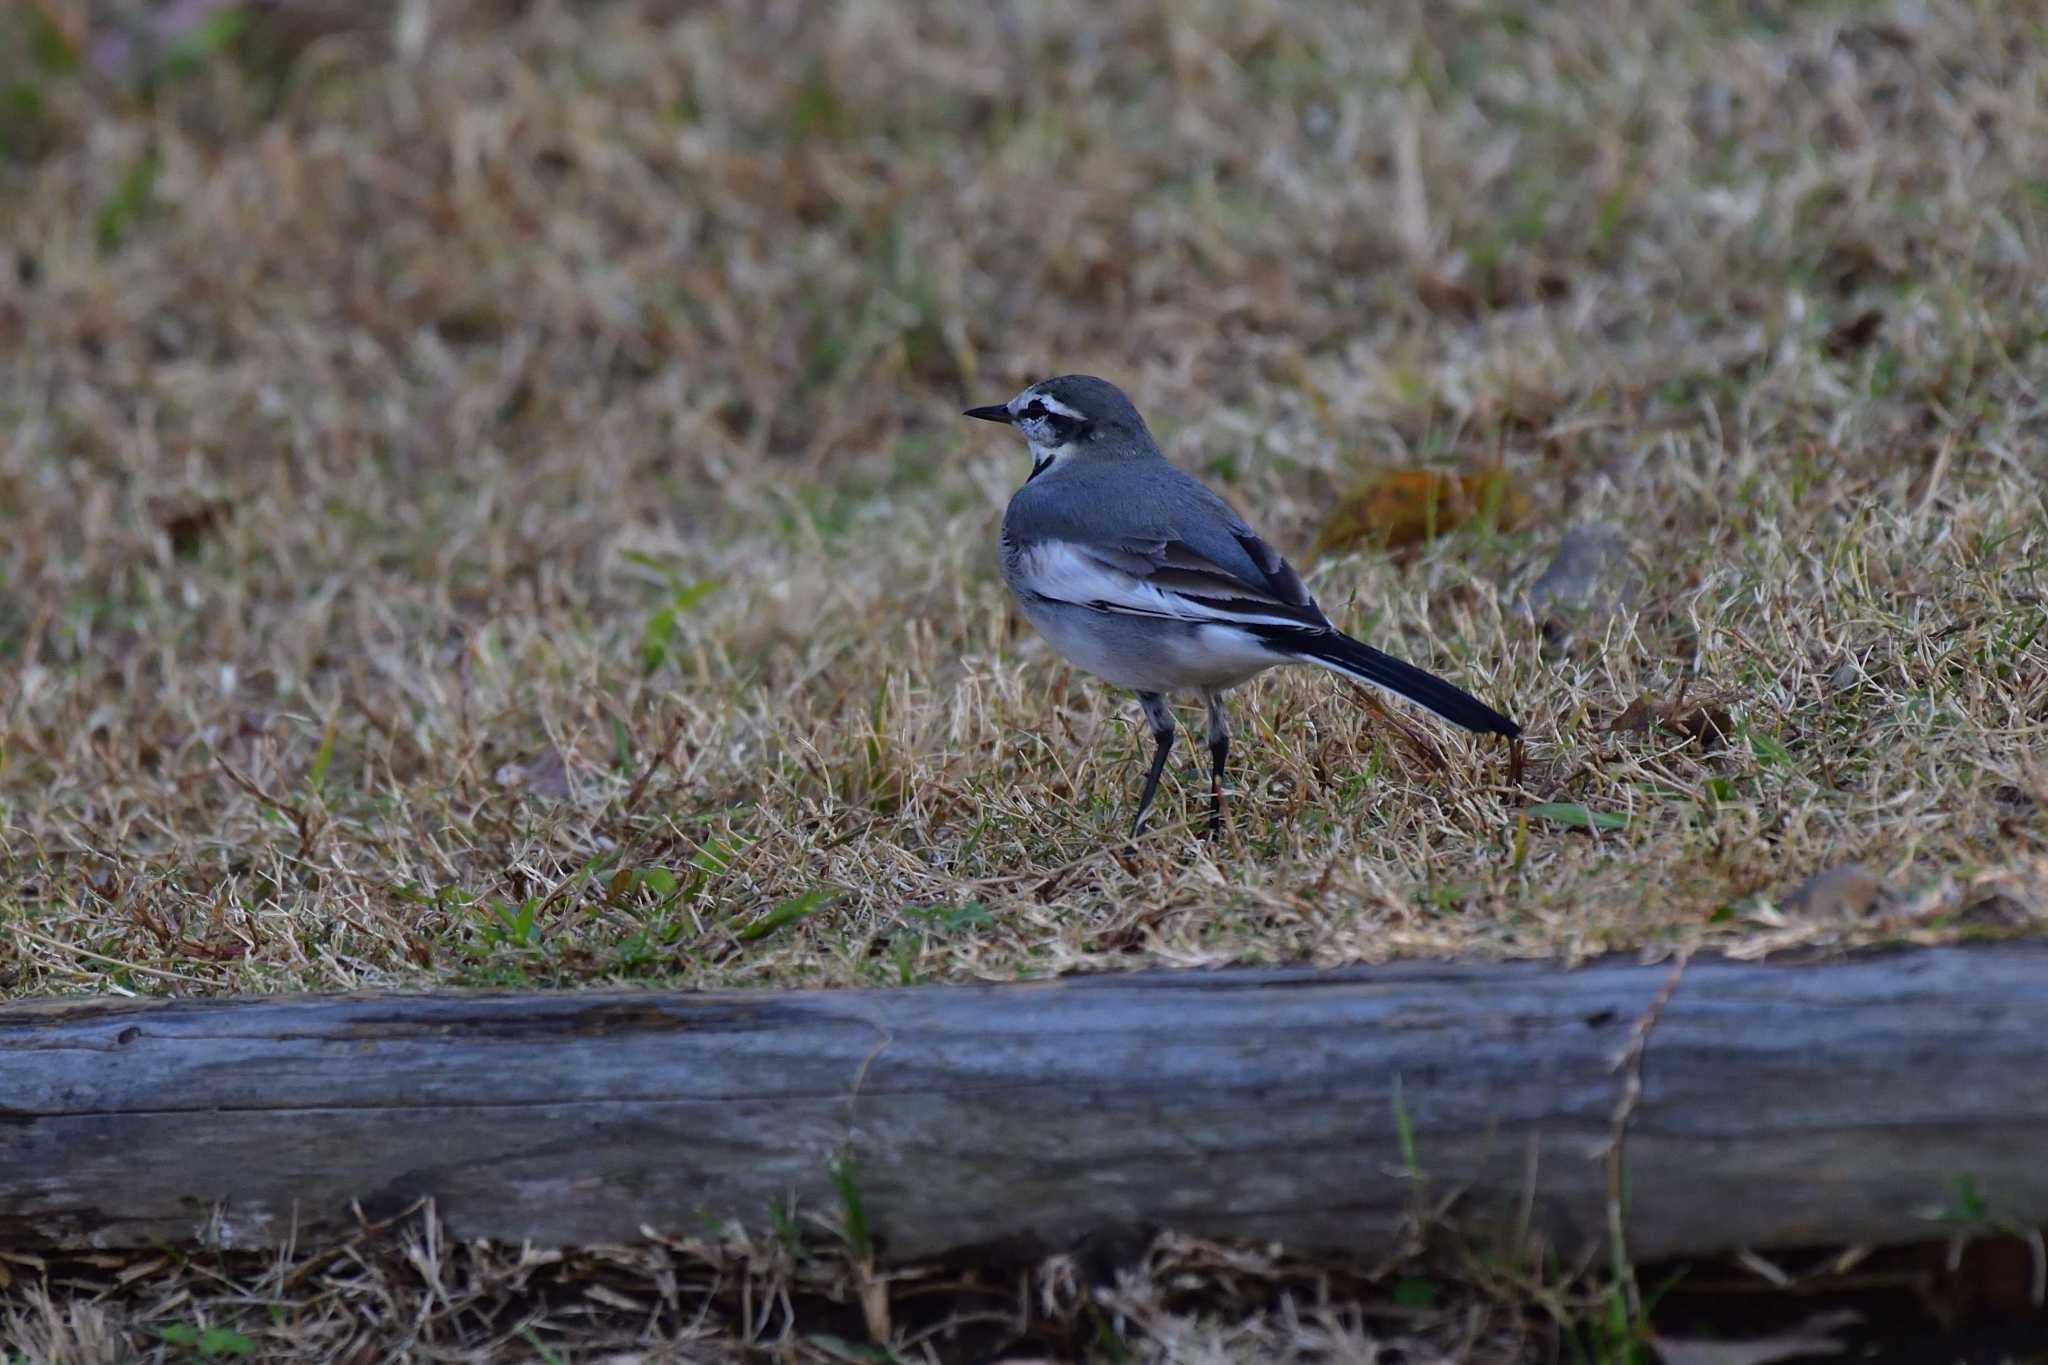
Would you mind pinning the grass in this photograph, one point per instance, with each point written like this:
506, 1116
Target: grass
488, 507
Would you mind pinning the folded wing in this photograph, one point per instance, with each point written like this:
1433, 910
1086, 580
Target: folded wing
1170, 579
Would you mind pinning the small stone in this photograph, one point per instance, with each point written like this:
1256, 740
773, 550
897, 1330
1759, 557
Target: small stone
1589, 572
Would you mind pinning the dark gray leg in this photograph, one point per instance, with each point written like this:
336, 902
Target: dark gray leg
1160, 716
1219, 753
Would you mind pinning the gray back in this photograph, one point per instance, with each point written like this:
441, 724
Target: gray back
1130, 499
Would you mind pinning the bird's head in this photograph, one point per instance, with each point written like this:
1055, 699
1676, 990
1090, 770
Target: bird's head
1071, 415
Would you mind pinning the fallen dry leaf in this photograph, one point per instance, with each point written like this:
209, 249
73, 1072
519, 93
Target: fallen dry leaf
1399, 507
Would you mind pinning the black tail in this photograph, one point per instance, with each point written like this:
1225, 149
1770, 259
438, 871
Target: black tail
1342, 654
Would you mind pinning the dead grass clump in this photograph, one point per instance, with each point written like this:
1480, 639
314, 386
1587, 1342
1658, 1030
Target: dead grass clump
400, 1290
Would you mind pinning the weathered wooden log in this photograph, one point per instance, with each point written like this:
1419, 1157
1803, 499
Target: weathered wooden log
1780, 1104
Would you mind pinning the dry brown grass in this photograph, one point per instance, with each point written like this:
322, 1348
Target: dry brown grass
415, 1297
373, 398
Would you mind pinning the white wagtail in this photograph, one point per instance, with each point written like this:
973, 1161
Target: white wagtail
1138, 573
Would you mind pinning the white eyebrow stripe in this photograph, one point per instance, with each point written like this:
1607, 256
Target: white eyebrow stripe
1051, 404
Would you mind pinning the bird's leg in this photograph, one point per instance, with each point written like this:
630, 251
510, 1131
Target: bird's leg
1160, 717
1219, 753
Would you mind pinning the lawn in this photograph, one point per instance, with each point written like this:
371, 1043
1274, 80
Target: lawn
483, 500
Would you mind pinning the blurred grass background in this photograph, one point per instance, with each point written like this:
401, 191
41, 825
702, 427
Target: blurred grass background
482, 503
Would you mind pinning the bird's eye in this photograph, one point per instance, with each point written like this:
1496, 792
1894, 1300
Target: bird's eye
1035, 411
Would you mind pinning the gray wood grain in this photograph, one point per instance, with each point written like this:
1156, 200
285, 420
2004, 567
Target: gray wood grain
1782, 1104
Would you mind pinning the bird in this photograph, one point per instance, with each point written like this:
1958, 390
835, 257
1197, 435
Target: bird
1139, 573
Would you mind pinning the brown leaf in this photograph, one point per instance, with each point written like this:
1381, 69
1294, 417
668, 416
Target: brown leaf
1400, 507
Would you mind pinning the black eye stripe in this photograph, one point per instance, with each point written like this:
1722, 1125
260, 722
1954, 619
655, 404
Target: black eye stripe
1062, 426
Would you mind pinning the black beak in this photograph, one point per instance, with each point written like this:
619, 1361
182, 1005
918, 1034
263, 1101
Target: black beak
995, 413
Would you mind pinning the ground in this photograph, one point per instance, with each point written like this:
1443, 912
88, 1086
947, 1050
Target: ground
485, 502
